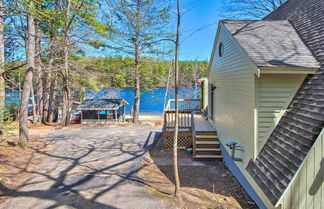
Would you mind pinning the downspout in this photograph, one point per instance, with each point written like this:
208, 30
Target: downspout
258, 72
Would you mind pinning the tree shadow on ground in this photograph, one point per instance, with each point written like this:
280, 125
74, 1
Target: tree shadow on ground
75, 168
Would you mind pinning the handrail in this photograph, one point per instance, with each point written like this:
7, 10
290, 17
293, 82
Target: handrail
184, 119
180, 111
185, 100
186, 107
189, 101
193, 130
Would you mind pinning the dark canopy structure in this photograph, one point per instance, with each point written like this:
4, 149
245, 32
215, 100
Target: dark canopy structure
102, 110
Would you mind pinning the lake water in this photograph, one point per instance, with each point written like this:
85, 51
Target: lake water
151, 102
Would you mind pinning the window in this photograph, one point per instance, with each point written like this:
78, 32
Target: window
220, 49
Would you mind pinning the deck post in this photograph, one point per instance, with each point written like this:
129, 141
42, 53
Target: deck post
193, 132
115, 111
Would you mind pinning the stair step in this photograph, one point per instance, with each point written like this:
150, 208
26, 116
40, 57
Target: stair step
208, 149
209, 156
206, 133
206, 137
207, 142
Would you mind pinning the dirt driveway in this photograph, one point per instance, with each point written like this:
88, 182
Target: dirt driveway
91, 167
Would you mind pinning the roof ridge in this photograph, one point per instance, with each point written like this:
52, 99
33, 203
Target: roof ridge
248, 33
275, 9
262, 20
237, 20
302, 40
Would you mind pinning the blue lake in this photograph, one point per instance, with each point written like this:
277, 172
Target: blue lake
151, 102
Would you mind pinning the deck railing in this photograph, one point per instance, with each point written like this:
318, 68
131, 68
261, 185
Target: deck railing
185, 104
187, 132
186, 107
185, 120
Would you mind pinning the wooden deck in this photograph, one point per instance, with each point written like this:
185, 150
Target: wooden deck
202, 125
194, 132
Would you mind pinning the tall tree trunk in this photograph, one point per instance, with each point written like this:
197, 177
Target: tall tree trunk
137, 92
38, 74
175, 136
65, 99
48, 94
137, 59
47, 90
2, 80
52, 106
32, 95
66, 90
30, 55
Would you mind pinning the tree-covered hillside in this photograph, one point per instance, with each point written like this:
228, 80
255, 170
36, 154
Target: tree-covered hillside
116, 72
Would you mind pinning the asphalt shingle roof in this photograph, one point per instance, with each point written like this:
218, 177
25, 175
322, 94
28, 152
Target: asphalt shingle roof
101, 104
271, 43
298, 129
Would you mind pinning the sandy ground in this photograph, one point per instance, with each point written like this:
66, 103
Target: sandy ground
148, 118
91, 167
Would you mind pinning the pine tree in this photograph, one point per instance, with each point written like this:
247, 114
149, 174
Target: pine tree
138, 27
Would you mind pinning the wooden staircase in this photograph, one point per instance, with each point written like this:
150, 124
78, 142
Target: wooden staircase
206, 146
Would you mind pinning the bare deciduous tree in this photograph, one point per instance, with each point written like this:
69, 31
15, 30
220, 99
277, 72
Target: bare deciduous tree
253, 8
176, 127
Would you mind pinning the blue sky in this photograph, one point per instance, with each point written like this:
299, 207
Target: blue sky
199, 24
198, 29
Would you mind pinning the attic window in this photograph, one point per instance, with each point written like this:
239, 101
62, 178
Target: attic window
220, 49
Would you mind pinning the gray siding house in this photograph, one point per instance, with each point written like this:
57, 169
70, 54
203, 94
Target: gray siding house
266, 94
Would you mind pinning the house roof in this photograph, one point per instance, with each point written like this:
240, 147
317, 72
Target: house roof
299, 128
271, 43
101, 104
